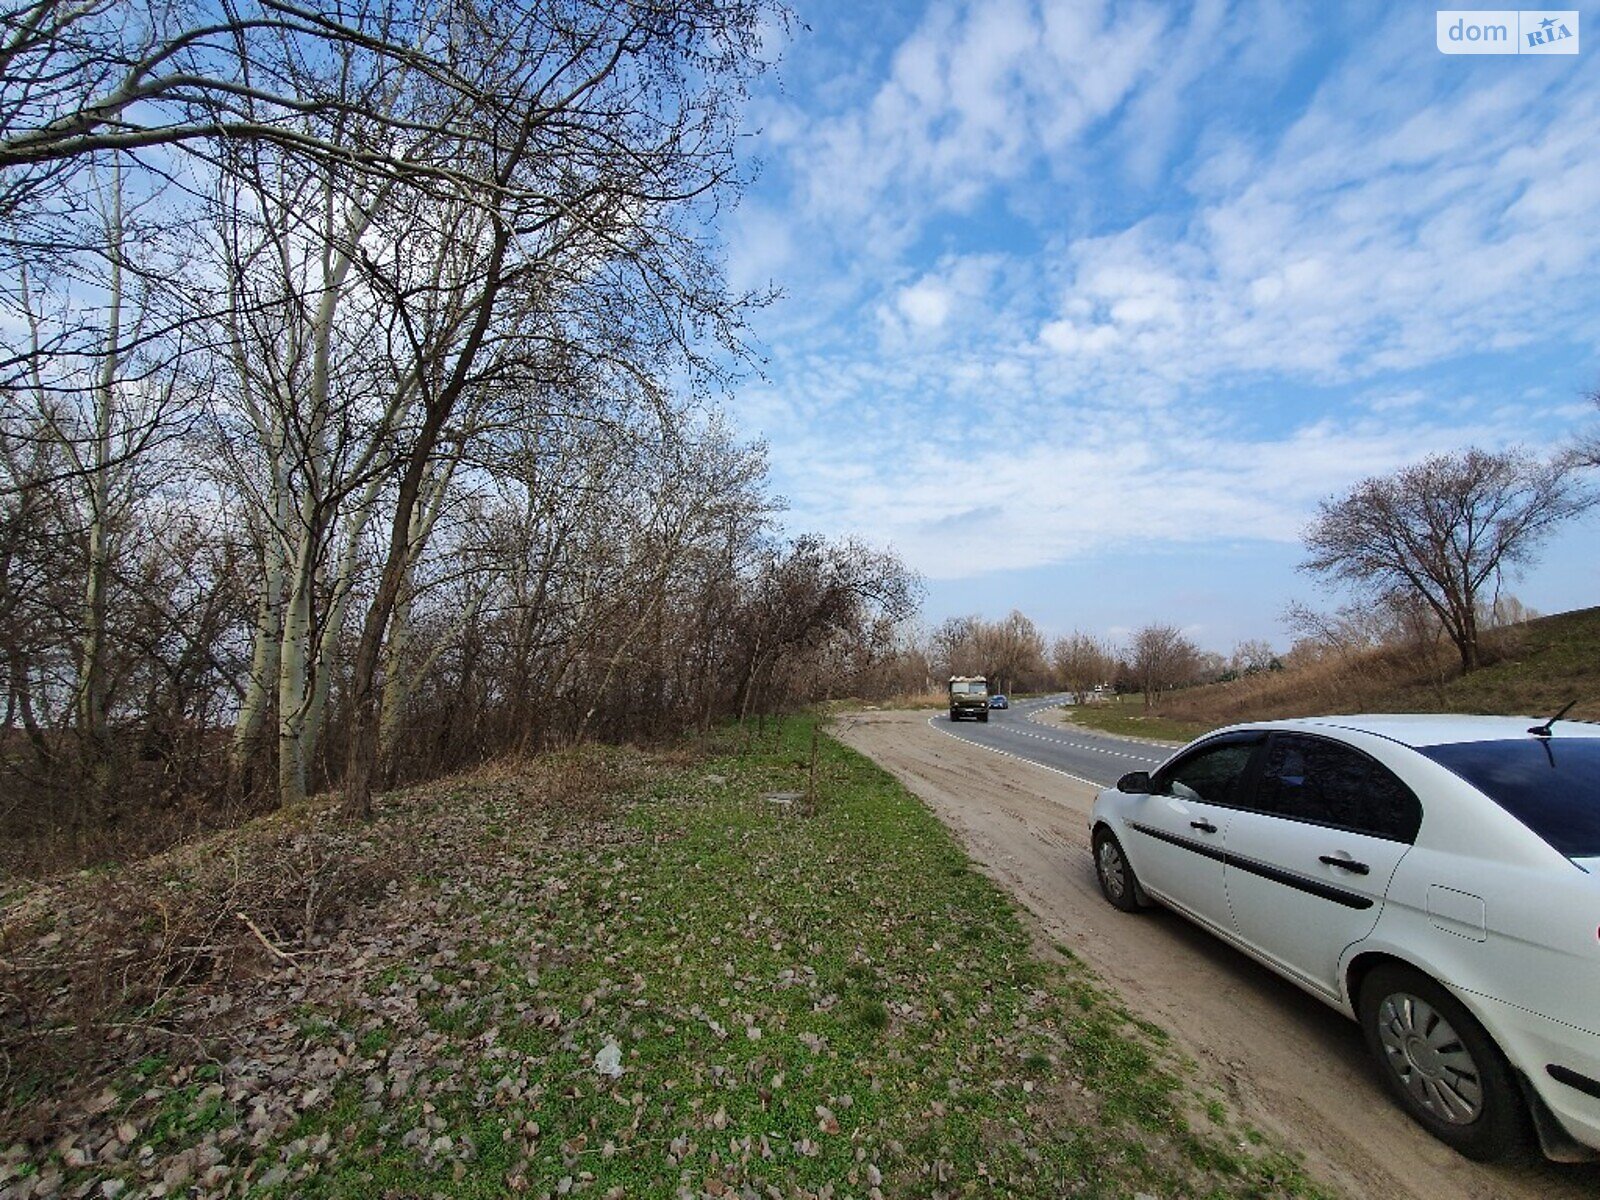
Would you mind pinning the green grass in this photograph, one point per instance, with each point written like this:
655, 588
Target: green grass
1126, 715
1543, 665
799, 1000
834, 1000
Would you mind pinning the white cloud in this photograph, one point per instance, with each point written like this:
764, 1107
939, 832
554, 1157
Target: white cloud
925, 303
976, 96
1066, 337
1396, 401
760, 247
948, 302
1347, 251
1101, 480
1288, 314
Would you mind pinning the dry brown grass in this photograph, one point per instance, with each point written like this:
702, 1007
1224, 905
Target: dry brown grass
1532, 669
933, 699
105, 956
579, 781
900, 700
1337, 684
99, 965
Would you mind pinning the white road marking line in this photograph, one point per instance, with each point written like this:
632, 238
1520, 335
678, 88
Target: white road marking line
1007, 754
1029, 715
1090, 747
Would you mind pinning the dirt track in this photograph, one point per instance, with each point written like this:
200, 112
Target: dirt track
1291, 1065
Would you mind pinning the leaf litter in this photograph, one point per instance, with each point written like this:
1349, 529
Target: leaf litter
607, 974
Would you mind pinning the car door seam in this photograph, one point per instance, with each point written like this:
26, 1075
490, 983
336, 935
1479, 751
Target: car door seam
1293, 879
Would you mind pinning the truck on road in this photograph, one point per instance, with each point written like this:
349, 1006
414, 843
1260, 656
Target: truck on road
969, 697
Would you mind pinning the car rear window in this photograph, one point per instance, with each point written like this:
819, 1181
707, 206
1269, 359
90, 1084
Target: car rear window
1551, 785
1327, 783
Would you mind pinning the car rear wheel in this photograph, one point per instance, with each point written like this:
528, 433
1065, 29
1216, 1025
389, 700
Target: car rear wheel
1117, 881
1441, 1065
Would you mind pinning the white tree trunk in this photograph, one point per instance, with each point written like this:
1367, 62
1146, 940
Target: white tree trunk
295, 678
92, 681
338, 606
266, 644
292, 657
397, 680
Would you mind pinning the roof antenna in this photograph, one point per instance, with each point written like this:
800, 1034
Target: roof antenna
1544, 730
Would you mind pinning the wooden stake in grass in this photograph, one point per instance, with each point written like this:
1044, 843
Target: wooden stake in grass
811, 775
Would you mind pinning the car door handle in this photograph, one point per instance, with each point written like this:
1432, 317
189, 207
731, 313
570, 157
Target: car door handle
1203, 826
1346, 864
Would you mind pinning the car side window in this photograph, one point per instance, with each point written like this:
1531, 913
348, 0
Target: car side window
1326, 783
1211, 774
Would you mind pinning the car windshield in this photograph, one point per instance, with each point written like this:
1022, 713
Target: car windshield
968, 689
1551, 785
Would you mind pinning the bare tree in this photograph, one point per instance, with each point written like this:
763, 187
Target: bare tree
305, 427
1445, 531
1586, 451
1251, 656
808, 593
1349, 629
106, 409
623, 123
435, 386
1082, 663
1016, 654
956, 646
1506, 610
1161, 658
1010, 652
39, 602
96, 77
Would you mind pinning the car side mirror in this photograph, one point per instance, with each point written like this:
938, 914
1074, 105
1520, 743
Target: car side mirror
1136, 783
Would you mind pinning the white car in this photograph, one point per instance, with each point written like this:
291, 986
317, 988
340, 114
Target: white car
1435, 877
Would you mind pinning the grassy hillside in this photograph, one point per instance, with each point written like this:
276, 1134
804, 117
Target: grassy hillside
1542, 666
727, 969
1532, 669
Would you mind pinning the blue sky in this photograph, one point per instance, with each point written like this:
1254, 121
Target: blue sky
1087, 305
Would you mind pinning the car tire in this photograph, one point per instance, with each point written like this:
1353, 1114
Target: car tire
1118, 883
984, 717
1441, 1065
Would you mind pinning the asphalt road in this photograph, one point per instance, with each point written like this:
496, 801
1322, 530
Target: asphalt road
1027, 731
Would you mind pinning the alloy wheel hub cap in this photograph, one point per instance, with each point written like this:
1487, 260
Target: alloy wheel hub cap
1423, 1056
1111, 869
1430, 1060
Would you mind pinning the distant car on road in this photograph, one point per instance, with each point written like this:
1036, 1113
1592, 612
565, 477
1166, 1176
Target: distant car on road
999, 702
1435, 877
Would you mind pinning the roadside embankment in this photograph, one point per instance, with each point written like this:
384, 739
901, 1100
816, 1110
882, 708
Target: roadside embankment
727, 970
